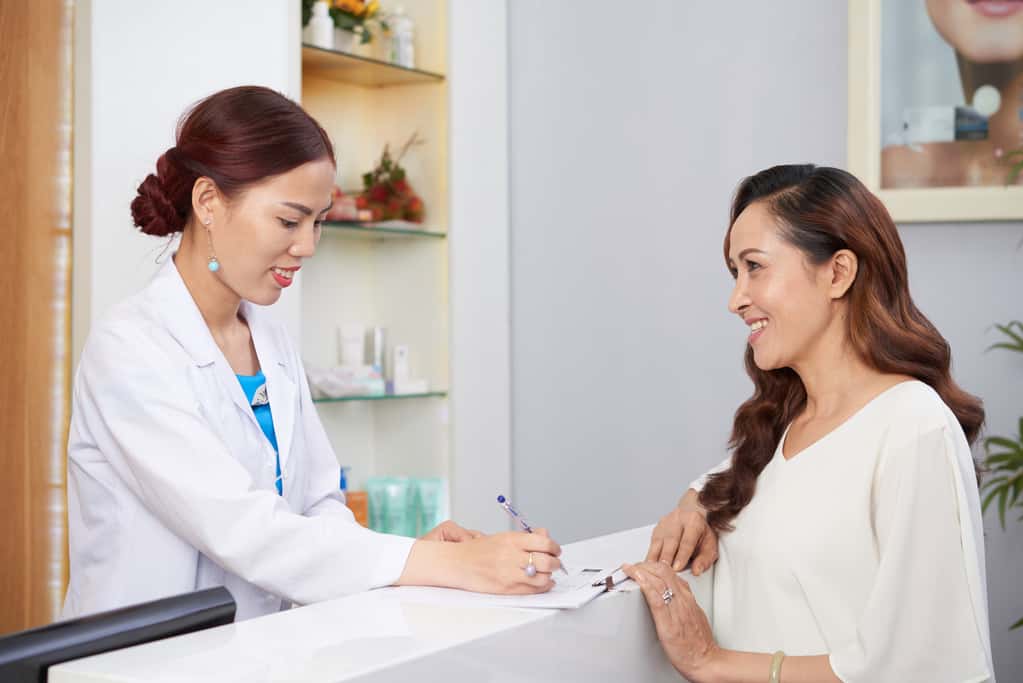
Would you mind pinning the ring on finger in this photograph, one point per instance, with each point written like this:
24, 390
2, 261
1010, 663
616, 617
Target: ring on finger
530, 567
666, 596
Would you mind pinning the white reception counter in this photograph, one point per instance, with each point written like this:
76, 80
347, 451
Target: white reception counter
397, 634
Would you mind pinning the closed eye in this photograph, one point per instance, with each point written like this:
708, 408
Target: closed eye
290, 225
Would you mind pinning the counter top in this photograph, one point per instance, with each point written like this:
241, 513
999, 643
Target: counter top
397, 634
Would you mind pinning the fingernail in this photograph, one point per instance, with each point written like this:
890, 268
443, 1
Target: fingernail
678, 566
697, 568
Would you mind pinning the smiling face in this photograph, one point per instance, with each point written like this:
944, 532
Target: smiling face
787, 302
983, 31
261, 236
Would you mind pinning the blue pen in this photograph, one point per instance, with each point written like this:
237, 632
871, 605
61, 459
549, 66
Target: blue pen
514, 514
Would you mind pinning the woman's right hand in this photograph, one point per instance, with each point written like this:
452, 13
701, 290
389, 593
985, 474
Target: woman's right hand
497, 563
487, 564
684, 534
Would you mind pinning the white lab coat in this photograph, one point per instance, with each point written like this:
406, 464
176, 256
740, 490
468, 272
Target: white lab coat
171, 480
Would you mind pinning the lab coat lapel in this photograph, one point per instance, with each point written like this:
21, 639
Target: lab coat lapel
280, 390
186, 325
280, 387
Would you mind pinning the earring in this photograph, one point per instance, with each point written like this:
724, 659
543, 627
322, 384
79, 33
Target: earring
212, 263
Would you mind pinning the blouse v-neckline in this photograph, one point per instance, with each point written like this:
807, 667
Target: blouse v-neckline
838, 428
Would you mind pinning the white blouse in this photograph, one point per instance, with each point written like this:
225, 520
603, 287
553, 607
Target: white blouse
866, 546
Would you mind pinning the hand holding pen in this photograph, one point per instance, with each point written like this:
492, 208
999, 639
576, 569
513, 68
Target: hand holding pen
521, 521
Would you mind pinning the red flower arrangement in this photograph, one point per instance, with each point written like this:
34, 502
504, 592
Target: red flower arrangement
386, 190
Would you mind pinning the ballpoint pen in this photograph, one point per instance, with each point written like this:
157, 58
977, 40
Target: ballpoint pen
514, 514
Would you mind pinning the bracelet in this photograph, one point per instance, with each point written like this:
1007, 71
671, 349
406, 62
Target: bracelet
776, 667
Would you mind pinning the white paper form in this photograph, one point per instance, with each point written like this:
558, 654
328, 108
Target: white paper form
569, 592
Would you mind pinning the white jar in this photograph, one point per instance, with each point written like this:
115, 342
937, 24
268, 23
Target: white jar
320, 31
402, 50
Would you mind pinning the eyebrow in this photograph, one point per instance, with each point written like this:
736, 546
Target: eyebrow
750, 250
305, 209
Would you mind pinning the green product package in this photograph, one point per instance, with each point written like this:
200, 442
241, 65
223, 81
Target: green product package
391, 505
431, 502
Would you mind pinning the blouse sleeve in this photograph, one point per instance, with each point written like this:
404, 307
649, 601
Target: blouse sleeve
699, 483
921, 621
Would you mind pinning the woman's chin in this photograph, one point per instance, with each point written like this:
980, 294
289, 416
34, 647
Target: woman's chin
764, 362
265, 297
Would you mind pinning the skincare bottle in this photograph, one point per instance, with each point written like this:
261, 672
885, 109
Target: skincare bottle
355, 500
431, 502
320, 31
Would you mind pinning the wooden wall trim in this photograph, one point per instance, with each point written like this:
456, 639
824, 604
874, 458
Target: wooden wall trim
35, 144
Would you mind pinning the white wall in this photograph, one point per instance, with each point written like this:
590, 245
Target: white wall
138, 66
479, 244
629, 133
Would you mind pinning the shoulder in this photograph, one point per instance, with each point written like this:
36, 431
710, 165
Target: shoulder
131, 336
919, 424
915, 407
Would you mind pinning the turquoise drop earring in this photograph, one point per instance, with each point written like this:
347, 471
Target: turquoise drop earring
212, 263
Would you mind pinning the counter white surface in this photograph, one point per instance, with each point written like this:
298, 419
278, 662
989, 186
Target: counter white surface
395, 634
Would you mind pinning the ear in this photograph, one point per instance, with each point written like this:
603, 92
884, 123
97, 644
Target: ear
843, 270
207, 202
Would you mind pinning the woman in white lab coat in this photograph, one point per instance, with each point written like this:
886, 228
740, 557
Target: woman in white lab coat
846, 526
196, 457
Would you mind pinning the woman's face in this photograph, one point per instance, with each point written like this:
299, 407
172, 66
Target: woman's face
778, 293
982, 31
261, 237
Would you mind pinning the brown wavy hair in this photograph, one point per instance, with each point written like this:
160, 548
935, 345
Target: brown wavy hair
821, 210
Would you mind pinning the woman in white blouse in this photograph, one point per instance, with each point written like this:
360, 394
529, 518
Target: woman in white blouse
846, 524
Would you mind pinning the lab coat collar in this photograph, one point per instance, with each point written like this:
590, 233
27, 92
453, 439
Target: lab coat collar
186, 325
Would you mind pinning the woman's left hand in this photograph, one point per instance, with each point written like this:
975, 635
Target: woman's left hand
682, 626
449, 531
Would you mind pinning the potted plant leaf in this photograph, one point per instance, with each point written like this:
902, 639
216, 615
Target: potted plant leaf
1004, 461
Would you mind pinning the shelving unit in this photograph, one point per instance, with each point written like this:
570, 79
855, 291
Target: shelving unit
371, 231
357, 70
385, 397
391, 276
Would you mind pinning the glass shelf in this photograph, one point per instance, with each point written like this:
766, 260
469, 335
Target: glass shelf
371, 231
365, 71
385, 397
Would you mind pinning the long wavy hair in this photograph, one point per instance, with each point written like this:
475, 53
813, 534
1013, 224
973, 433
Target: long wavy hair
821, 210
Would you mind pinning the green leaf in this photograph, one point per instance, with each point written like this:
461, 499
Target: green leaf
1014, 173
1007, 330
1017, 625
1001, 506
998, 459
1005, 345
1012, 445
1010, 328
987, 499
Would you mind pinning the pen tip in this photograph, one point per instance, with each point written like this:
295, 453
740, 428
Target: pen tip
500, 499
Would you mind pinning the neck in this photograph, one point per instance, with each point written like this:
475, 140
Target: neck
833, 374
217, 303
1004, 126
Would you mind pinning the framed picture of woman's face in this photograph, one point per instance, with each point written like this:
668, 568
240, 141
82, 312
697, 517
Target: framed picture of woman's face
936, 106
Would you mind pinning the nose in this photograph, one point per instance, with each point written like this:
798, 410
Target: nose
304, 245
739, 300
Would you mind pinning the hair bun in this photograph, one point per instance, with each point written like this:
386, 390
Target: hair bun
152, 210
